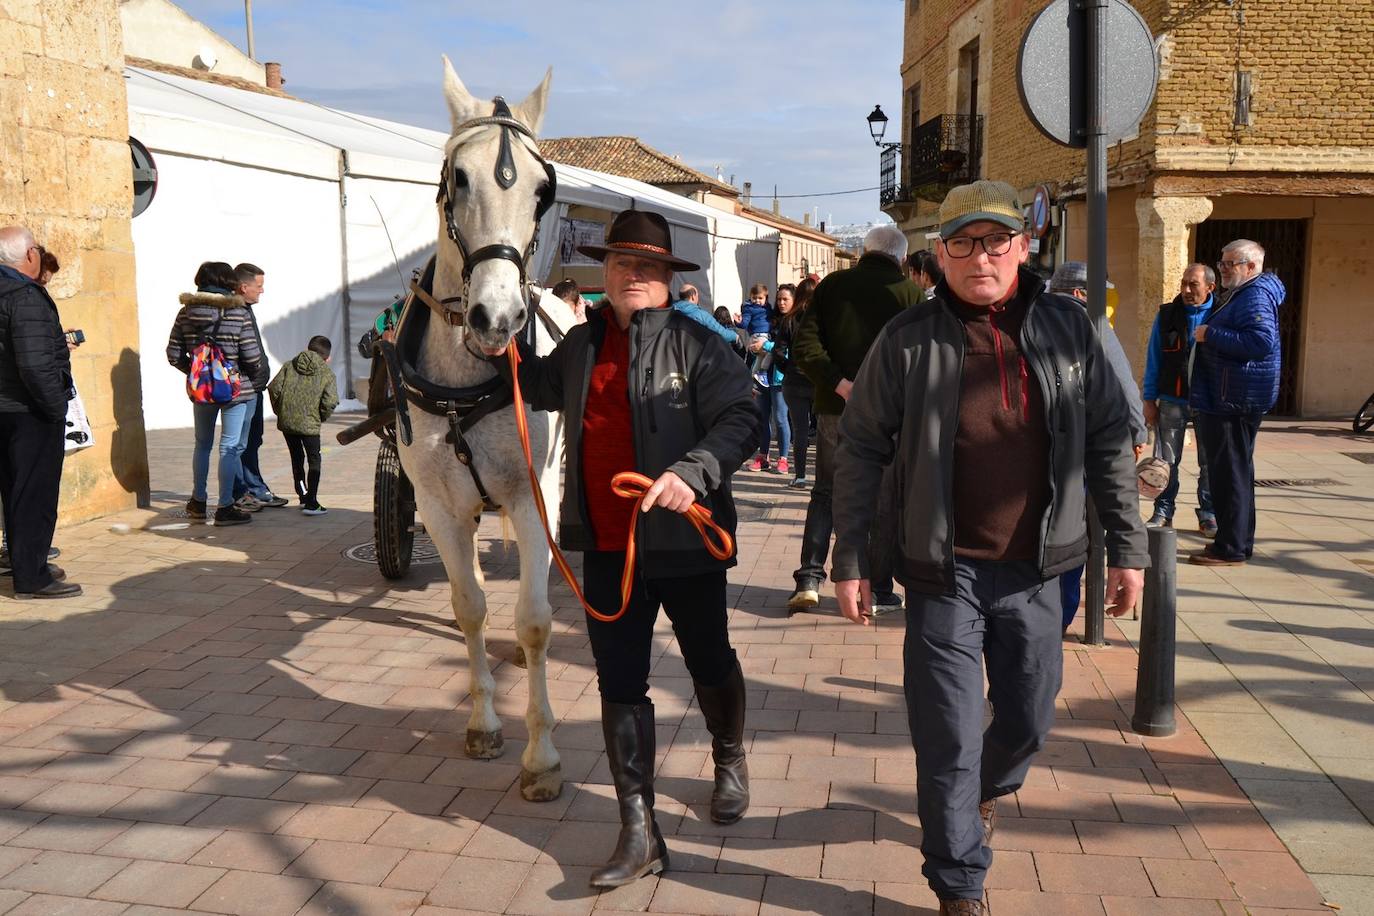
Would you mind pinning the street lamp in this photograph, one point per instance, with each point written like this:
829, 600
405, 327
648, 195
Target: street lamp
877, 124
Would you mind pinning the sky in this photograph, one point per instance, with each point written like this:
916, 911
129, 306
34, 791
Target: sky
774, 92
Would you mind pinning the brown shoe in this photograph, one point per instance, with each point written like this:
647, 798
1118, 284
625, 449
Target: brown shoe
1204, 558
961, 908
987, 811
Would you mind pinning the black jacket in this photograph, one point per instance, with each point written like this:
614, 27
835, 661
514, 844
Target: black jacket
692, 413
846, 312
35, 368
904, 411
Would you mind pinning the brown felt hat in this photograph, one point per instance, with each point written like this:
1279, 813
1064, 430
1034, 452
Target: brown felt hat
640, 233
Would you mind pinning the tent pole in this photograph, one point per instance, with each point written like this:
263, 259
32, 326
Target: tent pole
346, 298
248, 19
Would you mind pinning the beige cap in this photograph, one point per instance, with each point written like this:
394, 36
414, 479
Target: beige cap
981, 200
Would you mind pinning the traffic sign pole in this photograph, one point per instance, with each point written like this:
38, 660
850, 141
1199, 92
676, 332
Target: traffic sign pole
1094, 13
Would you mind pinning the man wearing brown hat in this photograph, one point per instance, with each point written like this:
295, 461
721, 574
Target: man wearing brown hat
644, 388
993, 401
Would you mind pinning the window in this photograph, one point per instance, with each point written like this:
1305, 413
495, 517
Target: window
968, 79
913, 8
913, 111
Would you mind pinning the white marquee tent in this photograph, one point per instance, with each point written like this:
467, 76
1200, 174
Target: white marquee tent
319, 199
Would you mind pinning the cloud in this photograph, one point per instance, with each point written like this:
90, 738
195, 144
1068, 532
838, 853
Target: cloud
775, 92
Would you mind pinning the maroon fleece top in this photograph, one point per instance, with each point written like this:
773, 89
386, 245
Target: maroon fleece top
1002, 449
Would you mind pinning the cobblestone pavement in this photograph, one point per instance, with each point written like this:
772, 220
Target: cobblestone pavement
250, 721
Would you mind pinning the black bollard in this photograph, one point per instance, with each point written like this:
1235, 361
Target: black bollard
1154, 679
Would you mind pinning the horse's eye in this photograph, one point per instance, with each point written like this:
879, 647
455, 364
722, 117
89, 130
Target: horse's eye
460, 179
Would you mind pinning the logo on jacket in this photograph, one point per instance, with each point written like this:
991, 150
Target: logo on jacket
677, 390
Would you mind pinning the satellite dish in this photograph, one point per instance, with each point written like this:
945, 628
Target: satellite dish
206, 59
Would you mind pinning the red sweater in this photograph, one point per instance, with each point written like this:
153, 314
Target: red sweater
608, 439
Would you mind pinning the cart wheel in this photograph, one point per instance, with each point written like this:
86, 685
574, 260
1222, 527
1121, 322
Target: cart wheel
1365, 417
393, 513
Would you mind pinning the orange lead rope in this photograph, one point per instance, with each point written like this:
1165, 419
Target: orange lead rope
631, 485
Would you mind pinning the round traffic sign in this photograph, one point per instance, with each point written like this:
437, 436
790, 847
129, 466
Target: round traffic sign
1052, 77
1040, 212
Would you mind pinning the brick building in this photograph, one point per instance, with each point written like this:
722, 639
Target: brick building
1262, 127
65, 172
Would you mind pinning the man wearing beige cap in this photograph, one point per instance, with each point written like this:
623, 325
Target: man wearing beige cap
993, 402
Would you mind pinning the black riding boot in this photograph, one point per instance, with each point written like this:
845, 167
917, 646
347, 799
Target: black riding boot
723, 707
640, 850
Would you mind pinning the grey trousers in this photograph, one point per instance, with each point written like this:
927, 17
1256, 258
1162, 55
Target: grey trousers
1004, 615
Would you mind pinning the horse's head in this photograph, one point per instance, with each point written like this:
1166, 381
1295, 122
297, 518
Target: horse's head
494, 188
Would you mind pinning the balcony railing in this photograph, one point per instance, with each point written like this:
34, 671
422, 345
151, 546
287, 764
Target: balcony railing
944, 151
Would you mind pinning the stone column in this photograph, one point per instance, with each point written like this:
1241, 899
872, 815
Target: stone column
1165, 225
65, 173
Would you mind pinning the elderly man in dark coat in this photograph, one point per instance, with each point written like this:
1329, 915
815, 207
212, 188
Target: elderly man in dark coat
35, 383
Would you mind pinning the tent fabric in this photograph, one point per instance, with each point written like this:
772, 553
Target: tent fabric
338, 209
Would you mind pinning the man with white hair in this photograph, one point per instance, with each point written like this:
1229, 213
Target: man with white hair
1235, 382
848, 309
35, 382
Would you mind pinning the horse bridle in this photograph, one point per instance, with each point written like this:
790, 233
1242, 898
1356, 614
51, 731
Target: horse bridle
505, 173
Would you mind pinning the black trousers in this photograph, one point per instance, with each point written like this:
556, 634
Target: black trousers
694, 604
882, 540
799, 417
1228, 442
30, 476
306, 481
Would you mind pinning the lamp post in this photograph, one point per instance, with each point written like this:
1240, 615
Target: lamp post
877, 126
887, 162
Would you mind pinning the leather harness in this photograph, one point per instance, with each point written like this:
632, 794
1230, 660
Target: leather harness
464, 408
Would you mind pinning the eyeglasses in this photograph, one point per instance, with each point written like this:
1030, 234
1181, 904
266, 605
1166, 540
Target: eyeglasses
1231, 265
994, 243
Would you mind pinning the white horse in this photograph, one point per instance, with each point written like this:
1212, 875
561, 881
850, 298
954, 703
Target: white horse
495, 185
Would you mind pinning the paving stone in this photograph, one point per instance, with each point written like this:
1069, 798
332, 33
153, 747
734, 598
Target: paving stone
259, 852
63, 873
71, 834
330, 860
159, 842
1268, 879
255, 894
1176, 878
489, 885
159, 884
333, 822
708, 895
339, 897
1088, 874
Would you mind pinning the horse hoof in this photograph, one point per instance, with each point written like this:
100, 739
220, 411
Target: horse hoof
542, 787
483, 745
520, 660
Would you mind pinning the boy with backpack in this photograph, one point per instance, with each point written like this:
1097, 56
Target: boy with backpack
303, 394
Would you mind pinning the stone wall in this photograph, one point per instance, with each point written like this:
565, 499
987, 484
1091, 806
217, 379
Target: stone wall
65, 173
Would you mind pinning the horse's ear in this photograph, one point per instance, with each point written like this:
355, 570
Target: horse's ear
461, 105
531, 111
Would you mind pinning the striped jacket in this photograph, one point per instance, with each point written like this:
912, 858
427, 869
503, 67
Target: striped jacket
236, 335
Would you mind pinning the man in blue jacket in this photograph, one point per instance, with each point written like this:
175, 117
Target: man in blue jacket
1235, 382
1167, 361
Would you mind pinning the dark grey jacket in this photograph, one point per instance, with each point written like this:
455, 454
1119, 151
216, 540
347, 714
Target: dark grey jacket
35, 369
692, 413
904, 411
236, 335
